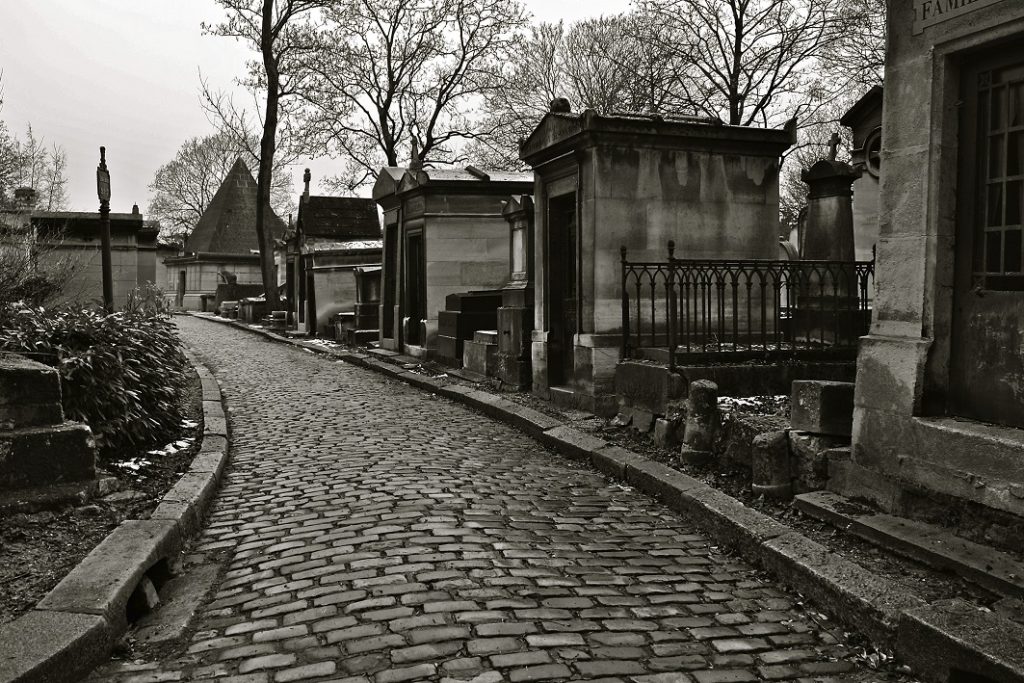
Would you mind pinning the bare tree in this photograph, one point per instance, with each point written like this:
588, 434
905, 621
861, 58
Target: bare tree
857, 58
279, 31
28, 162
393, 73
610, 64
749, 62
183, 187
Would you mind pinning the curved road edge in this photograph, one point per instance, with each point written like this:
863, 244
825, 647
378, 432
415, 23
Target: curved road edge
935, 640
76, 625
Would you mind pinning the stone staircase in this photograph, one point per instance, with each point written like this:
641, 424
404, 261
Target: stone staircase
38, 447
480, 354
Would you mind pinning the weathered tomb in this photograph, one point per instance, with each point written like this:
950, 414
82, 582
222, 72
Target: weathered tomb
604, 182
444, 235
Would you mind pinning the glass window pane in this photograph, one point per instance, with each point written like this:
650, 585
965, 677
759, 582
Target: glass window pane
1015, 153
1013, 199
994, 215
993, 244
1017, 104
1013, 252
995, 156
997, 108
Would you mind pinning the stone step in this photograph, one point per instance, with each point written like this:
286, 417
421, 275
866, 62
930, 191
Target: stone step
486, 336
37, 456
480, 358
29, 393
364, 336
934, 545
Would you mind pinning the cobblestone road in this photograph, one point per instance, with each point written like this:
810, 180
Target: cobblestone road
373, 533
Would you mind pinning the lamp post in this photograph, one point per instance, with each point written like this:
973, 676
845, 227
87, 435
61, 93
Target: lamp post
103, 191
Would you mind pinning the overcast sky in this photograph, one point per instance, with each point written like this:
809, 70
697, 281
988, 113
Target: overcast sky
125, 74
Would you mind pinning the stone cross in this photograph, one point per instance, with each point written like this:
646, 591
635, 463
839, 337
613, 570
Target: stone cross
833, 146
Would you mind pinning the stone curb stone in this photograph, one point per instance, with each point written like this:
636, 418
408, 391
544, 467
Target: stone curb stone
55, 647
845, 588
614, 461
849, 591
572, 443
75, 626
102, 582
947, 637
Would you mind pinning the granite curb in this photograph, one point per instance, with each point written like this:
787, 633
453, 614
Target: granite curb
891, 618
77, 624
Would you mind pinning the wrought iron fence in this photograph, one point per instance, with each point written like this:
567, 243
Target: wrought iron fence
706, 310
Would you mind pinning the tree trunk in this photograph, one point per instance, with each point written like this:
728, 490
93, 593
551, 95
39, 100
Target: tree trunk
264, 233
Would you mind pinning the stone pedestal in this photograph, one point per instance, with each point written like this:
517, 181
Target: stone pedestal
828, 231
37, 446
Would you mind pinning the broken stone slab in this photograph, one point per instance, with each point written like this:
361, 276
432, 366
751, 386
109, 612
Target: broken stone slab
954, 640
29, 393
822, 407
810, 454
52, 646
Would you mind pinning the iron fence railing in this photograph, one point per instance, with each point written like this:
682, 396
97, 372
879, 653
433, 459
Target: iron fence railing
709, 310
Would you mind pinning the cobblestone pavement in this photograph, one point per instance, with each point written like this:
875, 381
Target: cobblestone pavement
374, 533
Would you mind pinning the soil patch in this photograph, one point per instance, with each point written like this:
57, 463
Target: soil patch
38, 549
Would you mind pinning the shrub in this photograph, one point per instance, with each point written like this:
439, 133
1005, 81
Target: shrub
120, 373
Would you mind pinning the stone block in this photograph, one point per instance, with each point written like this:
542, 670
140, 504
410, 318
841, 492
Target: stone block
702, 415
647, 386
822, 407
40, 456
480, 357
29, 393
809, 456
667, 432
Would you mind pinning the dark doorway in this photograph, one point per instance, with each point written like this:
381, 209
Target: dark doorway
310, 303
180, 296
415, 289
562, 230
289, 287
987, 359
390, 280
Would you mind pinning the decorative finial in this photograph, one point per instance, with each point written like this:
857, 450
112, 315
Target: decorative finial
103, 157
560, 105
306, 177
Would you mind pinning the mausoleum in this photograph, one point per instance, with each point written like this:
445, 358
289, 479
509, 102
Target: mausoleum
939, 401
606, 182
223, 247
444, 234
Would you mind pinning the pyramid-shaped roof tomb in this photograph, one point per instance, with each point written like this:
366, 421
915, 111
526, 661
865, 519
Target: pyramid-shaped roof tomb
228, 226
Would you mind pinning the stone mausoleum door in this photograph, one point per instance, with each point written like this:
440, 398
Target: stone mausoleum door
562, 228
415, 289
987, 361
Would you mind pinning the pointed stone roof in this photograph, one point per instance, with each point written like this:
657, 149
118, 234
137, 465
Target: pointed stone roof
228, 226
